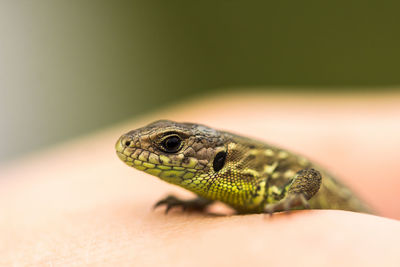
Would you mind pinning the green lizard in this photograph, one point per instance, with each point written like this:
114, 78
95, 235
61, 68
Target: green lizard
248, 175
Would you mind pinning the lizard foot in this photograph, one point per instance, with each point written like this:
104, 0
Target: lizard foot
291, 201
197, 204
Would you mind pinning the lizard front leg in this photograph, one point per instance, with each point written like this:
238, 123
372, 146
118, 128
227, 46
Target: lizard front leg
196, 204
301, 188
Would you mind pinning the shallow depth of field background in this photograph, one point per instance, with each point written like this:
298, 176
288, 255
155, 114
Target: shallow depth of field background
71, 67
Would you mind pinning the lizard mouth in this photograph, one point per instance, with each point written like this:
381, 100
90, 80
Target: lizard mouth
125, 150
120, 150
137, 157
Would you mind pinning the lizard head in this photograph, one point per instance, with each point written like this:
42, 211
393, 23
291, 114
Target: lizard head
179, 153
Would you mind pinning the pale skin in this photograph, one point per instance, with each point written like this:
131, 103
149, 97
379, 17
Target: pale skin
79, 204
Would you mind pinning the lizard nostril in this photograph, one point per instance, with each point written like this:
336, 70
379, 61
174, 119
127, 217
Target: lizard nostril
127, 143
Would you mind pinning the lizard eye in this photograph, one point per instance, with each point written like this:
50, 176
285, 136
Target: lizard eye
171, 144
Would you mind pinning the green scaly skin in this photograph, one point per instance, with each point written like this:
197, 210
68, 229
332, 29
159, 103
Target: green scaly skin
248, 175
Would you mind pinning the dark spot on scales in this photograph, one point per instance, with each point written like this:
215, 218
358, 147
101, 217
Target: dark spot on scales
219, 161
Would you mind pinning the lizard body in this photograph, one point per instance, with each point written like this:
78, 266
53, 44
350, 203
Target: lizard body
246, 174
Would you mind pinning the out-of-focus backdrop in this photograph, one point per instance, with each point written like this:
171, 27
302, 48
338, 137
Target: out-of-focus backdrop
70, 67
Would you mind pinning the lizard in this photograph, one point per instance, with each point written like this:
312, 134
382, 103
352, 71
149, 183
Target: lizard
246, 174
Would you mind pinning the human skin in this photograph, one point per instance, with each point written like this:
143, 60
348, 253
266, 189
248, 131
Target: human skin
78, 204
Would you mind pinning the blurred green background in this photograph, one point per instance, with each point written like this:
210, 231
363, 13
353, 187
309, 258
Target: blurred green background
69, 67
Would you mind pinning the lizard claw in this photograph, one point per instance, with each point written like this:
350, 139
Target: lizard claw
269, 210
286, 204
170, 201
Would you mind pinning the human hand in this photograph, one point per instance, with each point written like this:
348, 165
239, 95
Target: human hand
77, 204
